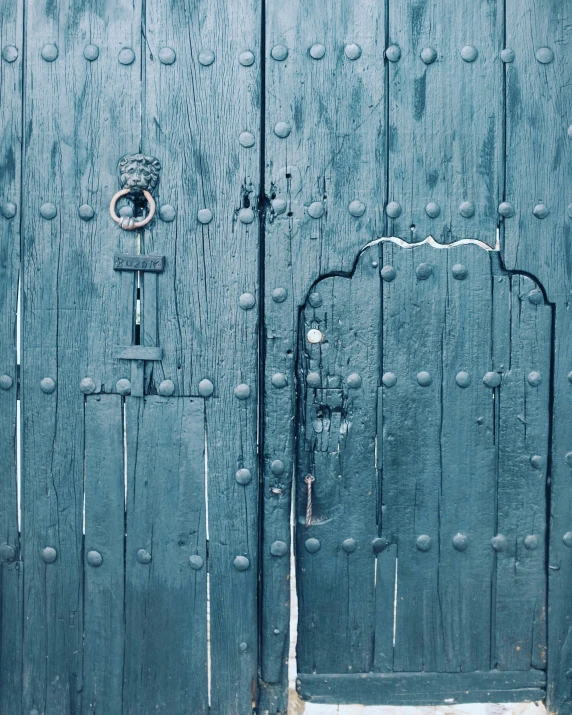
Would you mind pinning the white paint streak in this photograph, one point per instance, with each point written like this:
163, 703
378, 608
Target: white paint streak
432, 242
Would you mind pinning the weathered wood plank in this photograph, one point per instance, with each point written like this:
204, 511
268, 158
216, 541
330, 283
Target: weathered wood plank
166, 557
384, 609
104, 555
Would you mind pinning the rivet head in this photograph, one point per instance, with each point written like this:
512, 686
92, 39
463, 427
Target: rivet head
423, 542
463, 379
241, 563
243, 647
279, 548
5, 382
34, 712
196, 562
432, 209
393, 53
536, 461
86, 213
277, 467
48, 211
279, 380
47, 385
388, 273
243, 476
389, 379
569, 132
167, 56
314, 336
352, 51
393, 209
534, 378
459, 272
7, 552
206, 57
480, 420
246, 215
123, 386
506, 209
317, 51
567, 539
166, 388
460, 542
87, 386
469, 53
569, 210
316, 209
570, 377
378, 545
167, 213
540, 211
279, 53
143, 556
94, 558
568, 459
423, 271
356, 208
10, 53
276, 631
49, 52
544, 55
424, 378
498, 542
206, 388
205, 216
242, 391
126, 56
279, 295
49, 554
354, 381
349, 545
507, 55
315, 300
535, 297
282, 129
313, 379
531, 542
246, 58
8, 209
428, 55
91, 52
279, 206
247, 301
467, 209
246, 139
312, 545
492, 379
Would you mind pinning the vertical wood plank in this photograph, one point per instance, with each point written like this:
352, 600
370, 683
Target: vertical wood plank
104, 555
384, 609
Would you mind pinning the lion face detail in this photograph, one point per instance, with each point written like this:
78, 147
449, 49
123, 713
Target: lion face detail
139, 172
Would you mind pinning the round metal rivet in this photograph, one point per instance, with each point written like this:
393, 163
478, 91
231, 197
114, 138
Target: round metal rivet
480, 420
34, 712
279, 206
246, 139
86, 212
570, 131
506, 209
47, 385
277, 467
459, 272
540, 211
8, 210
242, 391
279, 295
313, 379
243, 476
279, 53
393, 53
143, 556
536, 461
241, 563
569, 210
279, 548
356, 208
246, 58
544, 55
5, 382
534, 378
389, 379
424, 378
567, 539
282, 129
126, 56
243, 647
463, 379
432, 209
206, 57
123, 386
378, 545
423, 271
388, 273
94, 558
498, 542
469, 53
352, 51
492, 379
48, 211
87, 386
349, 545
312, 545
246, 215
467, 209
314, 336
428, 55
279, 380
354, 381
507, 55
531, 542
276, 631
570, 377
247, 301
50, 52
317, 51
460, 542
7, 552
568, 459
315, 300
205, 216
393, 209
166, 388
316, 209
91, 52
10, 53
167, 56
423, 542
535, 297
196, 562
206, 388
49, 554
167, 213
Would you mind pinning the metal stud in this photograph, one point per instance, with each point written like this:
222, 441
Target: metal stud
312, 545
463, 379
48, 211
393, 53
349, 545
568, 459
241, 563
50, 52
354, 381
10, 53
423, 271
492, 379
206, 388
313, 379
459, 272
423, 542
279, 295
8, 209
467, 209
469, 53
567, 539
507, 55
279, 548
247, 301
279, 206
536, 461
570, 132
5, 382
315, 300
389, 379
246, 215
206, 57
246, 58
246, 139
123, 386
196, 562
276, 631
506, 209
94, 558
167, 213
460, 542
569, 210
428, 55
7, 552
316, 209
531, 542
535, 297
279, 380
544, 55
541, 211
86, 213
282, 129
352, 51
167, 56
424, 378
205, 216
498, 542
243, 476
393, 209
432, 209
534, 379
126, 56
242, 391
277, 467
33, 711
91, 52
143, 556
243, 647
87, 386
47, 385
314, 336
279, 53
388, 273
570, 377
378, 545
166, 388
49, 554
356, 208
317, 51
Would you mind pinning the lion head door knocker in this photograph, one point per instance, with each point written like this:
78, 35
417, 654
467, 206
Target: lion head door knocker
139, 175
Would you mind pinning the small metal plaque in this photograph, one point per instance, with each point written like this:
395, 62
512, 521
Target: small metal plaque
154, 264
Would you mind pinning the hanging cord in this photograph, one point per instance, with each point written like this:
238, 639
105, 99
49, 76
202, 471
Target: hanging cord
309, 481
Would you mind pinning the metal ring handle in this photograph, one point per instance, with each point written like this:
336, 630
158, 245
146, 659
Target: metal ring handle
136, 224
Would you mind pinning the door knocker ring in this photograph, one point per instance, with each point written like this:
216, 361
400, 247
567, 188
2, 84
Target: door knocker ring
126, 222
